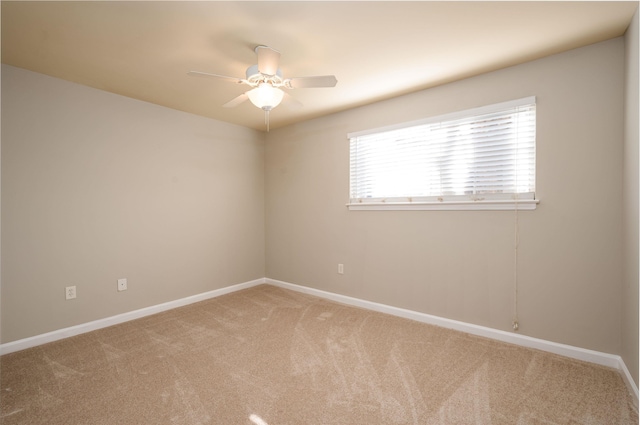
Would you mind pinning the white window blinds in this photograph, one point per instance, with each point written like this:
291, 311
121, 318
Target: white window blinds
481, 154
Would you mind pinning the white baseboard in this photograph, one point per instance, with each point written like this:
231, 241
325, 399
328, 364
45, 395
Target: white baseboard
34, 341
604, 359
628, 379
591, 356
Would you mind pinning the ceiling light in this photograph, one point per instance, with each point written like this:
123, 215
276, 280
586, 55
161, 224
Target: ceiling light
265, 96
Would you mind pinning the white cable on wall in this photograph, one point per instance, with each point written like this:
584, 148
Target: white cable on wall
515, 323
516, 241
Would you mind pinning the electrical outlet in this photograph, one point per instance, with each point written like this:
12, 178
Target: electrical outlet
70, 292
340, 268
122, 285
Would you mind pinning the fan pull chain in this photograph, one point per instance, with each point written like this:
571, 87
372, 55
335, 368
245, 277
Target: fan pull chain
266, 118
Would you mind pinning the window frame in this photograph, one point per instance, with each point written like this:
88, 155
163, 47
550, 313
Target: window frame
505, 201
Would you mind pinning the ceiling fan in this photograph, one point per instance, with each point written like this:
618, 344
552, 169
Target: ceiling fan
267, 82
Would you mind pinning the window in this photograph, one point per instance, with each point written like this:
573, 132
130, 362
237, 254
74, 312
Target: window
483, 158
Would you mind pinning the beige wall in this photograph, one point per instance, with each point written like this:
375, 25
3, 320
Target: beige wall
96, 187
630, 203
459, 264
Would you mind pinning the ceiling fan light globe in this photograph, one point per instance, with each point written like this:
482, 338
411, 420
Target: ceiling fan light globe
265, 96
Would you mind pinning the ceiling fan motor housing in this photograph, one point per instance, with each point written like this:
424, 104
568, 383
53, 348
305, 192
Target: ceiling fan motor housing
255, 77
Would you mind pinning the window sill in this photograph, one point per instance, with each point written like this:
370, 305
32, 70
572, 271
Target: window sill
484, 205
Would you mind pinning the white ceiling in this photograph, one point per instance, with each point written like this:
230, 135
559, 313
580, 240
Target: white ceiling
377, 50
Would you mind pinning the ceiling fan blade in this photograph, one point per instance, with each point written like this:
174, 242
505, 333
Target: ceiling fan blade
291, 102
236, 101
216, 76
310, 82
268, 60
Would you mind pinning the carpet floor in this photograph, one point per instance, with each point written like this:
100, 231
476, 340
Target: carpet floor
266, 355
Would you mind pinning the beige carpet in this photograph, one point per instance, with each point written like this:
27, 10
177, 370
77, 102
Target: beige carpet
271, 356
